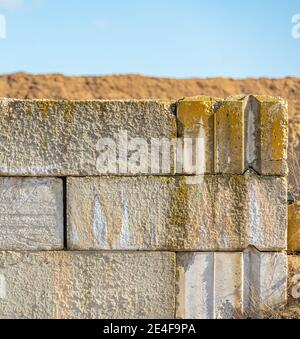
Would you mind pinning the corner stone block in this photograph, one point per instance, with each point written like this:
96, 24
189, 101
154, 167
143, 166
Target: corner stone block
60, 285
230, 285
63, 138
216, 213
195, 119
273, 134
294, 228
195, 281
31, 214
230, 136
251, 132
265, 286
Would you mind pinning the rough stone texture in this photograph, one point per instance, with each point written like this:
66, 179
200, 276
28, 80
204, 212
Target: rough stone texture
294, 228
87, 285
273, 135
240, 132
265, 283
31, 214
46, 138
294, 281
195, 119
230, 139
294, 160
195, 281
218, 213
230, 285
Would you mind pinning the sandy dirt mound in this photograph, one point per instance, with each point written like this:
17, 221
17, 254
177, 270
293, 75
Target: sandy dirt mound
56, 86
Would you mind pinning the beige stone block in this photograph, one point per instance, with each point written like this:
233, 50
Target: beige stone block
230, 136
273, 135
195, 119
217, 213
265, 286
61, 138
250, 132
31, 214
195, 281
230, 285
79, 285
294, 159
294, 228
253, 210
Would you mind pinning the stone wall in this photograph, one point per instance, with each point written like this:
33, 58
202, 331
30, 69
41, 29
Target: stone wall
95, 224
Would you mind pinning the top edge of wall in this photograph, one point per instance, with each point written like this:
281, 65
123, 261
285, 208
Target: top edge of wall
61, 137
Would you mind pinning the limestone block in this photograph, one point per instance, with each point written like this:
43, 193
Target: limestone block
273, 135
294, 228
31, 214
218, 213
230, 285
240, 133
230, 136
60, 138
253, 210
195, 119
195, 281
228, 282
265, 285
67, 285
209, 285
294, 159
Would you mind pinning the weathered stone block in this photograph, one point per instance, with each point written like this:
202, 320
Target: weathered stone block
195, 281
273, 135
230, 137
253, 210
31, 214
218, 213
265, 283
240, 133
294, 160
228, 282
86, 138
294, 228
230, 285
60, 138
195, 119
65, 285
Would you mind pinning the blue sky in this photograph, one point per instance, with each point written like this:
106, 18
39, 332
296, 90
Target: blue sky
172, 38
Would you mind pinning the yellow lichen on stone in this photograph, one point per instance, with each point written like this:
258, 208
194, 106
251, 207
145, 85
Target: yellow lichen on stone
194, 112
294, 228
230, 137
273, 135
196, 120
69, 109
